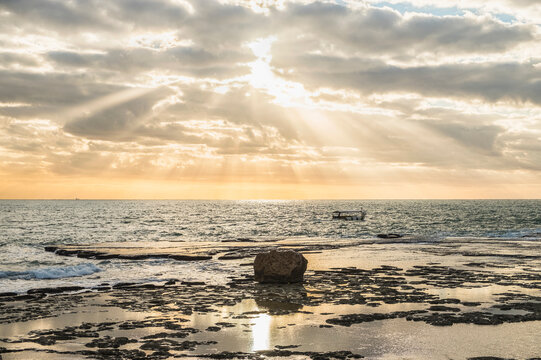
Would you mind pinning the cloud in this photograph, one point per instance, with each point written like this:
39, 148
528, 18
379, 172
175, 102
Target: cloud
58, 15
118, 121
11, 58
480, 137
385, 31
310, 91
92, 15
492, 82
525, 10
185, 60
48, 88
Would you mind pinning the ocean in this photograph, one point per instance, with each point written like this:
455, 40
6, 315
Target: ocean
27, 226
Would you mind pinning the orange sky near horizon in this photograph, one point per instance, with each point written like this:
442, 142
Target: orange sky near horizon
91, 188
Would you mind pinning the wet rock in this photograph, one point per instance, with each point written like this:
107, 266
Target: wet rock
43, 340
193, 283
445, 301
55, 290
233, 256
50, 337
389, 236
156, 345
471, 303
8, 294
102, 288
191, 345
283, 347
51, 248
443, 308
475, 264
121, 285
106, 354
190, 257
178, 334
82, 252
225, 324
280, 267
163, 346
239, 240
350, 319
108, 342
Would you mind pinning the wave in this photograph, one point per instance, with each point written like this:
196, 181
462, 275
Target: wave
52, 272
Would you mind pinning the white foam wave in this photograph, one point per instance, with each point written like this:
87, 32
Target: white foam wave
52, 272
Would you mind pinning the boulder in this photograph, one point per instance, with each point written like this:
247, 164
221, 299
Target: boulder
279, 266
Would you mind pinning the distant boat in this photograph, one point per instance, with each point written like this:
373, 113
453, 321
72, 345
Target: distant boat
349, 215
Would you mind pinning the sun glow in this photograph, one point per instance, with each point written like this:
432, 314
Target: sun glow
262, 76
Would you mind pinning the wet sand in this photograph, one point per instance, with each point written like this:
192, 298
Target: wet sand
458, 299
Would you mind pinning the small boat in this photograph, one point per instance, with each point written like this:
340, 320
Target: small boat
349, 215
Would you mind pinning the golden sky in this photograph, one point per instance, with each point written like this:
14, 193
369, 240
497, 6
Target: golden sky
178, 99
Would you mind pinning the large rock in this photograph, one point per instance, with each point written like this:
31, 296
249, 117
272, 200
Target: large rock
276, 266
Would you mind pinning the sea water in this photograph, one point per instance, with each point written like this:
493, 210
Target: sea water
27, 226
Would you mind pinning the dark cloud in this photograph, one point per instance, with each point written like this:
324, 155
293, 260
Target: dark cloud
515, 82
481, 137
145, 14
98, 15
221, 27
384, 31
134, 120
55, 14
54, 89
179, 60
10, 58
119, 121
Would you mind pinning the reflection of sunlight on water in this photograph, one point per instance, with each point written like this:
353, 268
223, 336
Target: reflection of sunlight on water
261, 332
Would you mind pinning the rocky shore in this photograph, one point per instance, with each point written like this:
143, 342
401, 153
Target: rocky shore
244, 319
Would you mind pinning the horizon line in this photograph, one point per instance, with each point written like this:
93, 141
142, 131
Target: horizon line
252, 199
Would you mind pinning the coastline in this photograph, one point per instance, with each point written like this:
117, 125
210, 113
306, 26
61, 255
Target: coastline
379, 300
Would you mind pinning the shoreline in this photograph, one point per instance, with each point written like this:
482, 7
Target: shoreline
383, 301
193, 257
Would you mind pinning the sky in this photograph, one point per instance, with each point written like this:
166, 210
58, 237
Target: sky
240, 99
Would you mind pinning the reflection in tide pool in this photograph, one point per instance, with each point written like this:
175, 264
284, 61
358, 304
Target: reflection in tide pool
377, 340
261, 332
